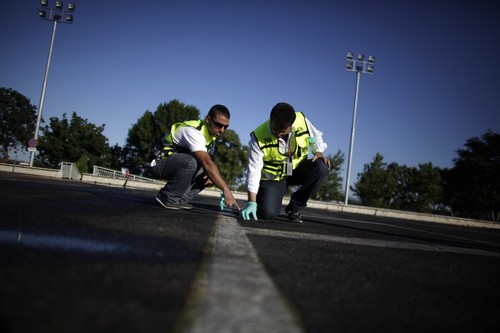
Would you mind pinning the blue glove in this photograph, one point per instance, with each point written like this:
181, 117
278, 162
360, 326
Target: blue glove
221, 202
250, 210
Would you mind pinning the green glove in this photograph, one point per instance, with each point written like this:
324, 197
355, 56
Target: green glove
221, 202
250, 210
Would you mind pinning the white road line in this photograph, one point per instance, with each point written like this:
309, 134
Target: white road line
370, 242
24, 239
410, 229
233, 292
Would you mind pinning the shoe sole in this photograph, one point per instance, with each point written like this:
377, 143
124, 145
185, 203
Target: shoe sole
168, 207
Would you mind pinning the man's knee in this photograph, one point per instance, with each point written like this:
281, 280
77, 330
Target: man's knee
321, 168
267, 214
190, 165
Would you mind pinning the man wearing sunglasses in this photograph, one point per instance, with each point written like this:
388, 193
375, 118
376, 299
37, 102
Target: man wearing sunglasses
185, 158
278, 157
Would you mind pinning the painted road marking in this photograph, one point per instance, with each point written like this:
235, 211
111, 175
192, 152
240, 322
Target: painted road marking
371, 242
414, 230
233, 292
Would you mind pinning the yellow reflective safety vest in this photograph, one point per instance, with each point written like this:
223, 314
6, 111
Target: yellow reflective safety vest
275, 161
169, 147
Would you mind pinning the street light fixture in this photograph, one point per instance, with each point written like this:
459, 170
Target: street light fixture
358, 65
56, 15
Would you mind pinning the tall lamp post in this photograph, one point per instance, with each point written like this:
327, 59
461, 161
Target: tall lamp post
358, 65
58, 14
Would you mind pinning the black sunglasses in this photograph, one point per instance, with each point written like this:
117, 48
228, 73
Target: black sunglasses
219, 125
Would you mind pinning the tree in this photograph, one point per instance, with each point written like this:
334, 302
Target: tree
150, 128
331, 188
17, 120
74, 140
174, 111
417, 189
472, 186
429, 187
375, 185
141, 137
116, 157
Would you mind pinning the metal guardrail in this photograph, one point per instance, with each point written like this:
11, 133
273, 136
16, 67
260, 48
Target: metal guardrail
70, 171
110, 173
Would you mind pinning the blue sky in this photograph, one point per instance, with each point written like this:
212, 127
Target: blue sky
434, 86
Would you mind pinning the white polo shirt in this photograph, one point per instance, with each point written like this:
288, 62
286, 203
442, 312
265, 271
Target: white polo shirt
192, 139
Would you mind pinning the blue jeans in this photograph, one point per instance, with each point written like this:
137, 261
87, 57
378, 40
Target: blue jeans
308, 174
184, 177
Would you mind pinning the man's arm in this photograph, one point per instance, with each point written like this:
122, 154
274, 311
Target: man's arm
319, 145
213, 174
255, 164
252, 196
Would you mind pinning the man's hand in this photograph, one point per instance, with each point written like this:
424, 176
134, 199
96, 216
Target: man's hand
227, 199
221, 201
323, 158
249, 211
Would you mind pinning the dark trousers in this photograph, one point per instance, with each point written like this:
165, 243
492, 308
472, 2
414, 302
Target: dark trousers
308, 174
184, 177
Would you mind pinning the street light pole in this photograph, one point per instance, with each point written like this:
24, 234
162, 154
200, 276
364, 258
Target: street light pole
57, 14
359, 66
44, 87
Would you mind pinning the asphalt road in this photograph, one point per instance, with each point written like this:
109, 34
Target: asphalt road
78, 257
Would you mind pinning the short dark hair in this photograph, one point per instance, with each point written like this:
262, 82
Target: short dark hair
219, 109
282, 115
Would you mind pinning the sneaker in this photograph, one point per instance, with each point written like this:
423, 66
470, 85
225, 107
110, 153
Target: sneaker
169, 205
295, 217
185, 205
